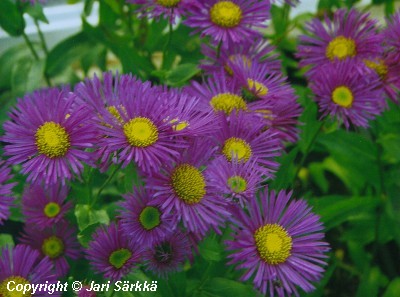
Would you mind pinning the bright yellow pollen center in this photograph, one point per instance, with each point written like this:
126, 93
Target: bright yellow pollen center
257, 87
168, 3
226, 14
15, 280
227, 102
140, 132
341, 48
237, 184
188, 183
343, 96
379, 67
236, 148
53, 247
51, 209
273, 243
52, 140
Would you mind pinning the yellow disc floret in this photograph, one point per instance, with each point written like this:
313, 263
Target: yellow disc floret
237, 184
53, 247
227, 102
51, 209
52, 140
343, 96
236, 148
226, 14
257, 87
341, 48
168, 3
188, 183
140, 132
273, 243
12, 282
379, 66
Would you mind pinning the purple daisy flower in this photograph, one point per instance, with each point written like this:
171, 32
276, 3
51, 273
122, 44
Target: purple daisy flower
228, 21
137, 129
6, 199
234, 181
188, 117
58, 242
280, 242
182, 188
142, 219
168, 255
23, 265
154, 9
349, 91
111, 253
243, 137
351, 34
44, 207
218, 93
48, 134
247, 51
271, 97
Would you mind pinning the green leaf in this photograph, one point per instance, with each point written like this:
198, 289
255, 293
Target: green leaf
11, 19
391, 144
393, 289
36, 12
287, 170
317, 172
210, 249
66, 52
86, 216
335, 210
219, 286
27, 76
6, 240
85, 236
371, 281
181, 74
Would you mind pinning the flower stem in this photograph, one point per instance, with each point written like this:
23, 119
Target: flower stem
41, 37
30, 45
104, 185
167, 44
307, 150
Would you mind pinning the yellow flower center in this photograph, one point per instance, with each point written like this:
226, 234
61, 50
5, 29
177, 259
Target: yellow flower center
380, 67
12, 282
226, 14
257, 87
119, 257
237, 184
341, 48
343, 96
188, 183
53, 247
52, 140
140, 132
227, 102
273, 243
51, 209
168, 3
236, 148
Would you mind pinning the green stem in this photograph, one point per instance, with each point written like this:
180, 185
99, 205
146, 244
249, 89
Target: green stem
30, 45
219, 49
41, 37
307, 150
167, 45
104, 185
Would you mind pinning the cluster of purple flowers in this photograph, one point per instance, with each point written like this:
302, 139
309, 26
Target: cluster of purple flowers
204, 152
353, 64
